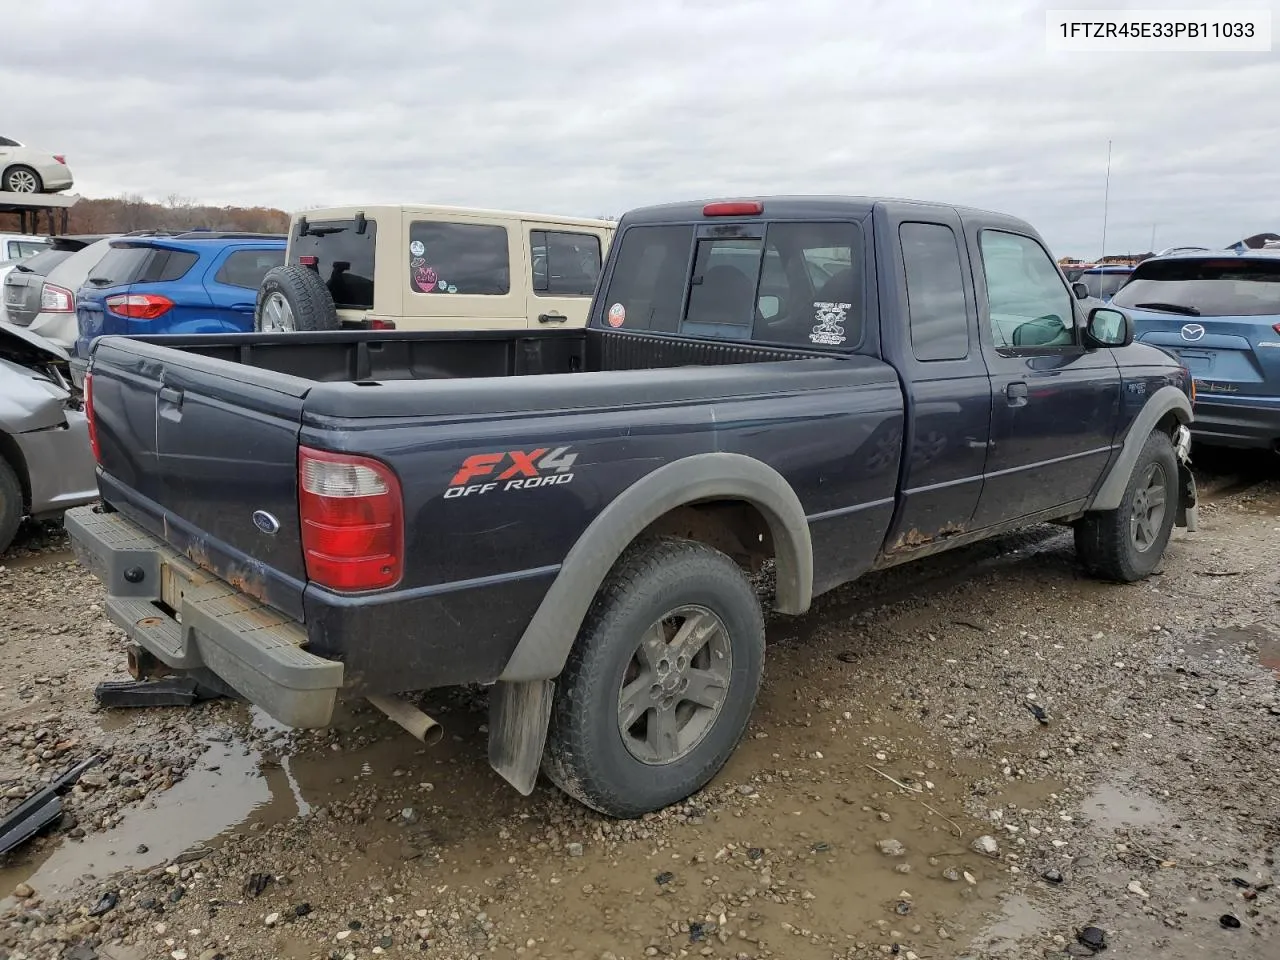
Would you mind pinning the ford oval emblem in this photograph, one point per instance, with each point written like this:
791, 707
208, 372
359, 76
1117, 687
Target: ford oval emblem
1192, 331
266, 522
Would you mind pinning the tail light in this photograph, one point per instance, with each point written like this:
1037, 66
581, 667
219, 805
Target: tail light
308, 260
377, 323
60, 158
1276, 327
352, 520
733, 208
56, 299
139, 306
89, 416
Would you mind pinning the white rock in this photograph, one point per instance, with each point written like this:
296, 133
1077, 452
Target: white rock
1136, 888
272, 919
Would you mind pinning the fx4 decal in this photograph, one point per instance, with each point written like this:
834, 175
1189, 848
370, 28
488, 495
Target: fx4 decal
512, 470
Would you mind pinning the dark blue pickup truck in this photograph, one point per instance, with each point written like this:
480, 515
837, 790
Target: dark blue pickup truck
834, 385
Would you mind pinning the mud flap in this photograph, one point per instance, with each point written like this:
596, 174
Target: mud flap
519, 714
1188, 514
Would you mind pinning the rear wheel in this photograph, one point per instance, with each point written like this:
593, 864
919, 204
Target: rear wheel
292, 299
10, 504
1127, 544
22, 179
661, 681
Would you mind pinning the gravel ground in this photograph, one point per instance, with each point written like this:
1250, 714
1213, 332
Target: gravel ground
978, 756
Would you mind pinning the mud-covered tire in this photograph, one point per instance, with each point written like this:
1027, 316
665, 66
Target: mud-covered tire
293, 299
586, 755
22, 179
11, 507
1109, 543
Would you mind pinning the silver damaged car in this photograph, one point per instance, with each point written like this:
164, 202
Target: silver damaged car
46, 462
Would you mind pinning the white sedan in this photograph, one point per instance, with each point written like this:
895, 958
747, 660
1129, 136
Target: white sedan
24, 170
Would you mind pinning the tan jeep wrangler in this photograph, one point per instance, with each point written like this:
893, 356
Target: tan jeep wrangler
433, 268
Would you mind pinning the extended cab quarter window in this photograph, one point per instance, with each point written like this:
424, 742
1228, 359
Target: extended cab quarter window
564, 264
799, 286
935, 292
459, 258
1029, 304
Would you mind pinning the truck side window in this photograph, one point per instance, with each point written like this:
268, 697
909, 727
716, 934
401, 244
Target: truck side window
935, 292
646, 286
811, 290
565, 264
459, 258
1028, 302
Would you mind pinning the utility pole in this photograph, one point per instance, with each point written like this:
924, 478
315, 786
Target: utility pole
1106, 196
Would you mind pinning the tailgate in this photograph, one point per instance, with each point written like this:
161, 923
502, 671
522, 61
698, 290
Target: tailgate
202, 452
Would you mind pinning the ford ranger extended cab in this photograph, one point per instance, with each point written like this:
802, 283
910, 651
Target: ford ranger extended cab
571, 516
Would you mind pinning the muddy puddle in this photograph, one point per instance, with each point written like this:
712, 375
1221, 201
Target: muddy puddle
787, 852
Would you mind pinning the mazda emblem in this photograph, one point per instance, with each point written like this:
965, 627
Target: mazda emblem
266, 522
1192, 331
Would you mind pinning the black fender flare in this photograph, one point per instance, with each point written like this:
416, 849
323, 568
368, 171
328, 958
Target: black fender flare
1165, 400
544, 647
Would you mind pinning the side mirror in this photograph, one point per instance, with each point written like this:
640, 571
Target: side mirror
1081, 290
1109, 327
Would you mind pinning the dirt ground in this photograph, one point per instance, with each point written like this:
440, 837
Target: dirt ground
897, 794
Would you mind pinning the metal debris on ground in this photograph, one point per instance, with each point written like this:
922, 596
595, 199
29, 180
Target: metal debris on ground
165, 692
40, 809
106, 904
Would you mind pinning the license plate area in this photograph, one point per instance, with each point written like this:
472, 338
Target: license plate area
1196, 361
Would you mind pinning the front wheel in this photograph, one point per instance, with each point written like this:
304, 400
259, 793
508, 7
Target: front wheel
1127, 544
10, 504
661, 680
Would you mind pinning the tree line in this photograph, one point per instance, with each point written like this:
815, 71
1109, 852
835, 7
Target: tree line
131, 212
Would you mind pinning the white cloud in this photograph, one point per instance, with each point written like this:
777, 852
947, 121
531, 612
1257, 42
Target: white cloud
588, 107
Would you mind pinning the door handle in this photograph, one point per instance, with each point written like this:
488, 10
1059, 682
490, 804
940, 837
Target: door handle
1016, 394
552, 318
171, 395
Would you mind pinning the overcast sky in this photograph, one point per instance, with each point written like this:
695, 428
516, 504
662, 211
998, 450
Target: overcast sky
595, 106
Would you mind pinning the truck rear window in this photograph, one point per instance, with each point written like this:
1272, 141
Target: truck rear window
799, 284
344, 258
1215, 287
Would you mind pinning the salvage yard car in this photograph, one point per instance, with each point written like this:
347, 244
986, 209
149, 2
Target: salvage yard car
45, 462
433, 268
1219, 312
572, 516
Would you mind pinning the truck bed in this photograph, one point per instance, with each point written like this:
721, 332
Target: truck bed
197, 435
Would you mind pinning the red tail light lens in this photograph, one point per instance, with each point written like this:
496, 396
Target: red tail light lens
733, 208
377, 323
56, 299
308, 260
60, 158
139, 306
88, 415
1276, 327
352, 520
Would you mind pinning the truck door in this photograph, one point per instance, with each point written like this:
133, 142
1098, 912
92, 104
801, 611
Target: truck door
944, 374
564, 264
1054, 403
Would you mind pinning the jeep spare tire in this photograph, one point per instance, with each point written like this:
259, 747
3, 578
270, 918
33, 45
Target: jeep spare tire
294, 299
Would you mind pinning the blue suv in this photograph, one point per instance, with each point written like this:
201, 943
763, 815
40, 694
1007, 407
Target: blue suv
1219, 313
198, 282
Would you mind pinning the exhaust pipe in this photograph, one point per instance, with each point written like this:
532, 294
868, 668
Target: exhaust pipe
411, 718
